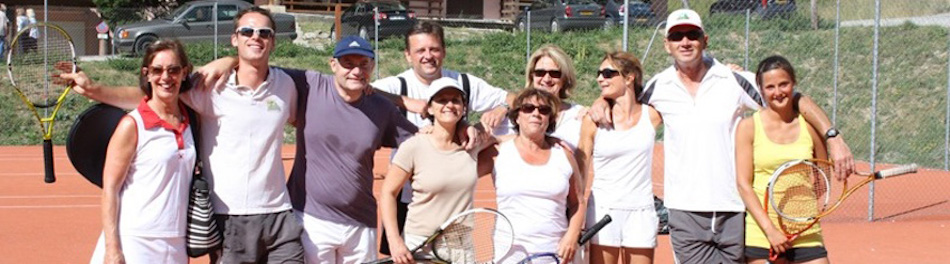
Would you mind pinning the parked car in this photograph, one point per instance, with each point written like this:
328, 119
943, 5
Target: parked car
394, 19
772, 8
640, 12
193, 22
560, 15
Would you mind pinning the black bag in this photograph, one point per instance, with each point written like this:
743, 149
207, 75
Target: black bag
203, 235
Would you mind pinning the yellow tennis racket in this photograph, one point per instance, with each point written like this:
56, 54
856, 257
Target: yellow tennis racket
34, 53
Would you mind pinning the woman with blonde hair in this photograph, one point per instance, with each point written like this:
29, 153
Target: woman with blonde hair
550, 69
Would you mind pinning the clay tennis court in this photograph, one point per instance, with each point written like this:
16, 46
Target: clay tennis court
60, 223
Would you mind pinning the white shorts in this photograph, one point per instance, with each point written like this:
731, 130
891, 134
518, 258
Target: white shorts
332, 243
630, 228
138, 249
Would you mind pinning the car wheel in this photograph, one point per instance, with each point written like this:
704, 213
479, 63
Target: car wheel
554, 26
141, 44
609, 23
364, 33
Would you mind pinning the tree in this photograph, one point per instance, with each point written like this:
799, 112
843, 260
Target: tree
120, 11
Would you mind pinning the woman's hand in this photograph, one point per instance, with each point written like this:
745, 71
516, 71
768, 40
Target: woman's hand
778, 240
400, 253
566, 248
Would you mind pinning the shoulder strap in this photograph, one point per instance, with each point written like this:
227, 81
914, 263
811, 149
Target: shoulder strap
403, 91
467, 89
749, 88
646, 93
196, 135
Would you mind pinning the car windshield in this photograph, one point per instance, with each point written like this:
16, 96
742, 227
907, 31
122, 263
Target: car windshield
390, 6
177, 12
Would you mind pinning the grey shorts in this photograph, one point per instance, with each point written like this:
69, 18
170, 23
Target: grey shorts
707, 237
263, 238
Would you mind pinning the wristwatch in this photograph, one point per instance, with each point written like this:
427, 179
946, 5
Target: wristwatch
832, 132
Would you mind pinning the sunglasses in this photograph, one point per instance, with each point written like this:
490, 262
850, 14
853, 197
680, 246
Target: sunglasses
540, 73
691, 35
249, 32
608, 73
529, 108
159, 70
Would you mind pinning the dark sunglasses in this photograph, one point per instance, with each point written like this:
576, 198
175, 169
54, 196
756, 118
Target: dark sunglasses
541, 73
249, 32
608, 73
691, 35
159, 70
529, 108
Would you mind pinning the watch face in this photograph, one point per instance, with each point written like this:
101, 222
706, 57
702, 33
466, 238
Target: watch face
831, 133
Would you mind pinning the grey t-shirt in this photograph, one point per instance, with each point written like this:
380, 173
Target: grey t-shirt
332, 178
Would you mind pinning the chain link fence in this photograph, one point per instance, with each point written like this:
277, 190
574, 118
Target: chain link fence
880, 72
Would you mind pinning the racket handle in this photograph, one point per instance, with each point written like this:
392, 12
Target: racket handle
594, 229
48, 160
897, 171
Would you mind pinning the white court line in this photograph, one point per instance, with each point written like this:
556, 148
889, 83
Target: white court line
50, 196
49, 206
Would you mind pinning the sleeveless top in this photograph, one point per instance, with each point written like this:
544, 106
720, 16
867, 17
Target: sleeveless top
623, 161
154, 196
528, 193
768, 156
568, 126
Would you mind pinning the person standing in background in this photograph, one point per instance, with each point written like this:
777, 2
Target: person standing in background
3, 28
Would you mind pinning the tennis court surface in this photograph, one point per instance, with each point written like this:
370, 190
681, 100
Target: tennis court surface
60, 223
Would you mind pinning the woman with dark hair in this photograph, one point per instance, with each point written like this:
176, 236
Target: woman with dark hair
621, 159
770, 137
148, 169
535, 178
441, 172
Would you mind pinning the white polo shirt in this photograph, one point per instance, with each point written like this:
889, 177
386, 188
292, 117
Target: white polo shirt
242, 131
699, 138
483, 96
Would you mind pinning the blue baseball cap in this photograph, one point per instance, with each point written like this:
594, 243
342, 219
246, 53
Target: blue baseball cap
353, 45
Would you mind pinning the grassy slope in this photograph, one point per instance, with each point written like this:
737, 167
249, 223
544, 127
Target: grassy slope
911, 89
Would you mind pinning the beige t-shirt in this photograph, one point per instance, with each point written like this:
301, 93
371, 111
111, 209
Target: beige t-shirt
443, 183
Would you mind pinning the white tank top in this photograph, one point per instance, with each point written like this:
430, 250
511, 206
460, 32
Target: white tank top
568, 126
529, 193
623, 161
154, 197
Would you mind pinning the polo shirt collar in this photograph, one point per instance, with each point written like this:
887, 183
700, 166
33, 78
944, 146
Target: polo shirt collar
716, 69
151, 120
242, 89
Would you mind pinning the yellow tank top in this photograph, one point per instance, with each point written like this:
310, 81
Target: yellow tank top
767, 156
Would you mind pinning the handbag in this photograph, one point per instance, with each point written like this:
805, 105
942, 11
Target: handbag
203, 235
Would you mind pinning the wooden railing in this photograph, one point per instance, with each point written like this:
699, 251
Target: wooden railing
511, 8
326, 8
426, 8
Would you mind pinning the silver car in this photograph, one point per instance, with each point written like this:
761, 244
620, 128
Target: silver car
192, 22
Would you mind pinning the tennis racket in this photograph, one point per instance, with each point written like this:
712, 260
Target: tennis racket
801, 193
33, 54
551, 257
479, 235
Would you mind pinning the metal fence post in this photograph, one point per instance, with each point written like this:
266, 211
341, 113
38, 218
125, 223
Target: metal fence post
946, 137
874, 70
376, 40
214, 11
834, 102
626, 19
527, 29
748, 14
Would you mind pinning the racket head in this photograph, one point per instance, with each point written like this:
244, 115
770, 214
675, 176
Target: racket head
31, 61
479, 235
541, 258
799, 191
89, 138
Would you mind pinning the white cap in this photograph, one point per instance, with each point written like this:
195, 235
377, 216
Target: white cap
440, 84
683, 17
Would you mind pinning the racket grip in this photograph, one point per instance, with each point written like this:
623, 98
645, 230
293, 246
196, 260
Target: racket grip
897, 171
587, 235
48, 161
